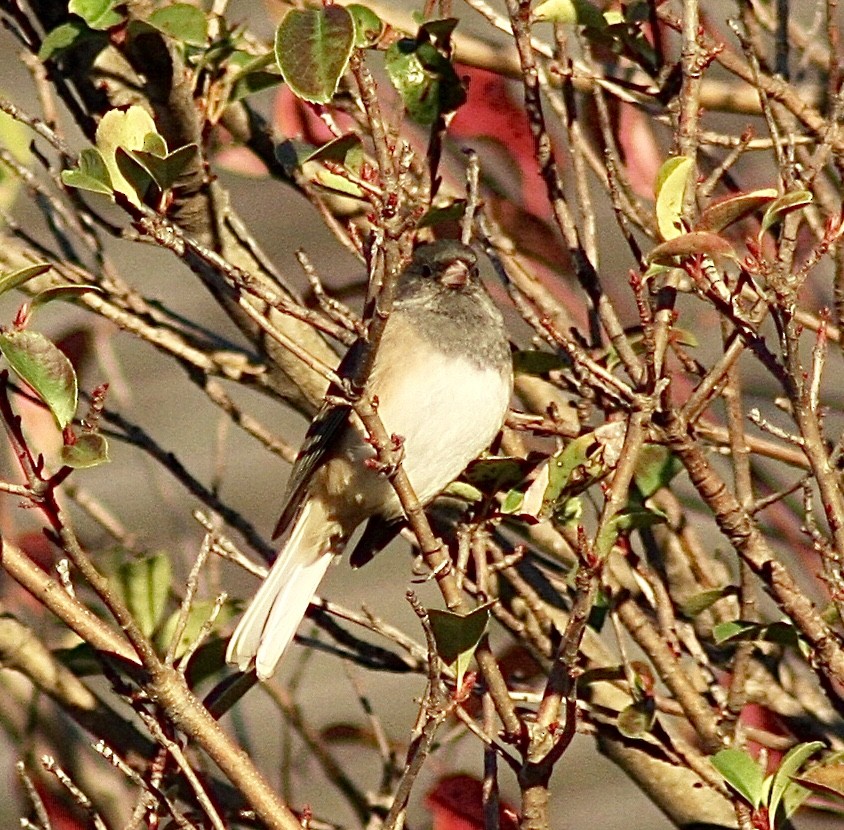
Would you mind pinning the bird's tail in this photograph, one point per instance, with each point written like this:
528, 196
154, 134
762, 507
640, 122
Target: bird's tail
271, 620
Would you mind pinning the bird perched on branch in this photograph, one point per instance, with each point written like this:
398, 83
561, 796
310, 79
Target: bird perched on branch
442, 379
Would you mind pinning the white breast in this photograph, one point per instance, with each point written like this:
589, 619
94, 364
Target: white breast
447, 411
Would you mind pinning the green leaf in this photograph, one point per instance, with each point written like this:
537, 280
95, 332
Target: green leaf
254, 75
786, 203
127, 130
696, 243
14, 279
700, 602
145, 587
783, 633
783, 789
735, 630
463, 490
630, 518
572, 12
199, 614
45, 368
181, 21
742, 773
62, 292
163, 169
494, 473
580, 463
16, 138
368, 26
312, 49
728, 211
98, 14
67, 36
637, 719
347, 151
134, 174
91, 173
655, 467
457, 636
425, 79
670, 191
535, 362
452, 212
90, 450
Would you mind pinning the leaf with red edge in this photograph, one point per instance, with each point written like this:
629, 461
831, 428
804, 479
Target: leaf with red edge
696, 243
90, 450
731, 209
43, 367
312, 49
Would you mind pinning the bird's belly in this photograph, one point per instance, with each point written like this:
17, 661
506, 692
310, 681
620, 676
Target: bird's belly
445, 415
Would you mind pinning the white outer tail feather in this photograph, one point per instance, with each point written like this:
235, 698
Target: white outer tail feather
271, 620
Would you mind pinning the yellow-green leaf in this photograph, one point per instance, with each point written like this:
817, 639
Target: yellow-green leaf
127, 129
670, 191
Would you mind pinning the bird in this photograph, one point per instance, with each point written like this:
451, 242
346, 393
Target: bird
442, 379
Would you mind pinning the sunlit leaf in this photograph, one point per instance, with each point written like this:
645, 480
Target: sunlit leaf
368, 26
98, 14
90, 450
742, 773
62, 292
630, 518
827, 778
696, 243
312, 49
347, 151
91, 173
43, 367
785, 204
425, 79
14, 279
572, 12
784, 790
181, 21
731, 209
15, 138
670, 190
126, 129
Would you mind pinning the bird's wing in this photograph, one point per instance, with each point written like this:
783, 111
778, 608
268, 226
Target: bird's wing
326, 428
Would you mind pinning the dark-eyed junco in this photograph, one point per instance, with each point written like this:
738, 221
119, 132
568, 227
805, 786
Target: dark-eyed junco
443, 377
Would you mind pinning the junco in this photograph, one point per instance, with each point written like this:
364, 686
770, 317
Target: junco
443, 377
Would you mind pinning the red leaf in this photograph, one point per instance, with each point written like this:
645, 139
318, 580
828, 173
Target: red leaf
456, 803
492, 113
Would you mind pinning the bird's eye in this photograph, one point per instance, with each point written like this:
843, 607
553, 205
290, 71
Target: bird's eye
427, 271
475, 273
